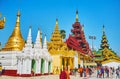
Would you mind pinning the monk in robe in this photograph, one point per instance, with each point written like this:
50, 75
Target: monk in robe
87, 71
81, 71
64, 74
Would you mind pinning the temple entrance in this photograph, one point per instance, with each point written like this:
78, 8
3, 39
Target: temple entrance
42, 65
67, 62
49, 67
33, 65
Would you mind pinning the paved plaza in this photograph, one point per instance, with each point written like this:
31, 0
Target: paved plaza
57, 77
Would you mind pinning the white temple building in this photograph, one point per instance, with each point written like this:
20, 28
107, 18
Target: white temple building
32, 60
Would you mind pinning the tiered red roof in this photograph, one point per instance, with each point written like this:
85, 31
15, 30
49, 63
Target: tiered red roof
77, 39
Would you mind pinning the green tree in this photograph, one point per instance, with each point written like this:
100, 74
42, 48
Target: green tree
63, 34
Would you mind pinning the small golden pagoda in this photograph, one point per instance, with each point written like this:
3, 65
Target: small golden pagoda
62, 56
2, 22
15, 41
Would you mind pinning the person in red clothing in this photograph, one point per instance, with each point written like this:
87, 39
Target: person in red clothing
81, 71
87, 71
64, 74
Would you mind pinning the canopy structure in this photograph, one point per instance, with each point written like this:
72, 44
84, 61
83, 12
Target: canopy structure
112, 64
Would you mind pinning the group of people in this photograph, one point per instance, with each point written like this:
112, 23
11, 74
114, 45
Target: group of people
108, 71
84, 72
100, 71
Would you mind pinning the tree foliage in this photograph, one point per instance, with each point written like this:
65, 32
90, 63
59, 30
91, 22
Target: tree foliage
63, 33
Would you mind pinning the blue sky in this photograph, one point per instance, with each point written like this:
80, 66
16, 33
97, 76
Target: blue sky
43, 13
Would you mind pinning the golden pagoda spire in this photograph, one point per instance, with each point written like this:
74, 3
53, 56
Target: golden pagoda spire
56, 21
56, 26
56, 34
15, 41
77, 16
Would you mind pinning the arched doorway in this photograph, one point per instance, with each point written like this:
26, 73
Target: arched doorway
42, 65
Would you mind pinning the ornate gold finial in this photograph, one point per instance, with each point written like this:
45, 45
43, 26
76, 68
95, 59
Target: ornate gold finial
2, 22
77, 16
18, 14
56, 21
15, 41
56, 26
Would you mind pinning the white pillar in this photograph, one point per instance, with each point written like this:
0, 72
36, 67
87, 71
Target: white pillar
28, 66
76, 60
46, 66
23, 66
26, 69
12, 59
18, 66
81, 62
50, 67
38, 66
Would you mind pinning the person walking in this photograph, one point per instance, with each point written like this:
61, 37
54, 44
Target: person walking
117, 73
87, 71
107, 71
76, 71
0, 69
90, 72
81, 71
102, 72
84, 71
98, 71
113, 71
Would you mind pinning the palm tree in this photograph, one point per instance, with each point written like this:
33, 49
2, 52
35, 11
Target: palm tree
63, 34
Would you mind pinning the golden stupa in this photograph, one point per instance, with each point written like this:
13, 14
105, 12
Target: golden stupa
15, 41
